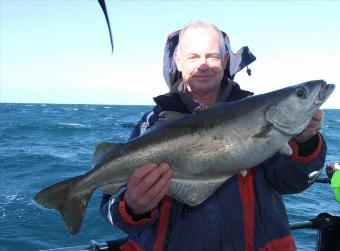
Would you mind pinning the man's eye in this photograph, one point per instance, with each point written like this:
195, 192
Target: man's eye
214, 57
192, 57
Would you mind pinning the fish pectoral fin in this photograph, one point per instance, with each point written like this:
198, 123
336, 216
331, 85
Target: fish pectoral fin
102, 149
286, 149
264, 132
112, 188
194, 192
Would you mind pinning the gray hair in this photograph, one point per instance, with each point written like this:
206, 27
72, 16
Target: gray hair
197, 23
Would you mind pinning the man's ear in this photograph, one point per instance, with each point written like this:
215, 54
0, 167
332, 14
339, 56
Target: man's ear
225, 59
178, 60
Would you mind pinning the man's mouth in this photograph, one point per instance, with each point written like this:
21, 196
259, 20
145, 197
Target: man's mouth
203, 77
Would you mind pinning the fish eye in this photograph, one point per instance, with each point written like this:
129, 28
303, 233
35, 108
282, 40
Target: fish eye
301, 92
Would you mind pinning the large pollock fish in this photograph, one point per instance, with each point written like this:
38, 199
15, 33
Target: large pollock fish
203, 149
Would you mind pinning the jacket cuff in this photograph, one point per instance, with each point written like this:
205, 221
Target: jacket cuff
296, 156
131, 219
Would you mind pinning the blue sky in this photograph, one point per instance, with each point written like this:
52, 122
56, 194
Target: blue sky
59, 51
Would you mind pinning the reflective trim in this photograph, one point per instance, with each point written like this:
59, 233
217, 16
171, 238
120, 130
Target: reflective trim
313, 175
144, 126
111, 202
109, 216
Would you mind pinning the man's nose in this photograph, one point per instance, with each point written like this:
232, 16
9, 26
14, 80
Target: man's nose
203, 64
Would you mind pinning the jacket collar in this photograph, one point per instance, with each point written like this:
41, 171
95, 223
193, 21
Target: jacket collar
181, 94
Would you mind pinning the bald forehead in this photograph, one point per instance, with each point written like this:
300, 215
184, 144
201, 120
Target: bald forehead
204, 31
199, 38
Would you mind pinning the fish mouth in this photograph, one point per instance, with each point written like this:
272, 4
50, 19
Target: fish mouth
325, 91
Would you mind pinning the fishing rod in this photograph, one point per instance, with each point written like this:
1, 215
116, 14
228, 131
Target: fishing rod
328, 226
321, 221
113, 245
331, 168
328, 231
103, 6
323, 180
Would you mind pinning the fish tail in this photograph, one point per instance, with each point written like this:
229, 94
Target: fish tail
65, 198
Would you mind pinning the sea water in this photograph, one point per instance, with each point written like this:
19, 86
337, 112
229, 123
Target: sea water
41, 144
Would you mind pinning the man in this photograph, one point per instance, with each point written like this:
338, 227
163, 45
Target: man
246, 212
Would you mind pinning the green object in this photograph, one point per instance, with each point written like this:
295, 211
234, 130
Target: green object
335, 183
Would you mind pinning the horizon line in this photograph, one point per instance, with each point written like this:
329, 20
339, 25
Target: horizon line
47, 103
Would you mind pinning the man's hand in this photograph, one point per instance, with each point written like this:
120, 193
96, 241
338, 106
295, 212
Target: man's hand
312, 128
146, 187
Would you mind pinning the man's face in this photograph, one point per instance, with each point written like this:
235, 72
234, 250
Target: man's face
200, 61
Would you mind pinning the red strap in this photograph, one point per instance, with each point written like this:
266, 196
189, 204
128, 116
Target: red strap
130, 246
248, 201
163, 223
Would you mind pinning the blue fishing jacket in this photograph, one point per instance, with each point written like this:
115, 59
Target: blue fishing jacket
244, 213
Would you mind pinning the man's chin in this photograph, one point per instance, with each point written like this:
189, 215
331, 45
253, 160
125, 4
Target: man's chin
203, 87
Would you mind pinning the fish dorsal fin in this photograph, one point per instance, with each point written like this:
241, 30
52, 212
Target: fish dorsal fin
102, 149
167, 116
194, 192
112, 188
202, 108
205, 108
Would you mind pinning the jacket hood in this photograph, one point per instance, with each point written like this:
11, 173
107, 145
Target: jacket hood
237, 61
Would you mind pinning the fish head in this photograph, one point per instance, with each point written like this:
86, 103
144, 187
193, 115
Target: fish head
292, 108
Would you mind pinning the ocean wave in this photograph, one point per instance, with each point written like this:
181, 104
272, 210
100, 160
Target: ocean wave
27, 158
2, 213
73, 125
29, 128
4, 136
11, 197
125, 125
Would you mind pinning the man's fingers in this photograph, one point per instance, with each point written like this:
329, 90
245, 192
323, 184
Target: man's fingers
157, 187
315, 123
318, 115
154, 202
313, 127
309, 131
147, 183
149, 180
140, 173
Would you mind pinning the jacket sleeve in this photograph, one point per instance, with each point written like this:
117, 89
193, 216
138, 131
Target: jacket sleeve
113, 207
295, 173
